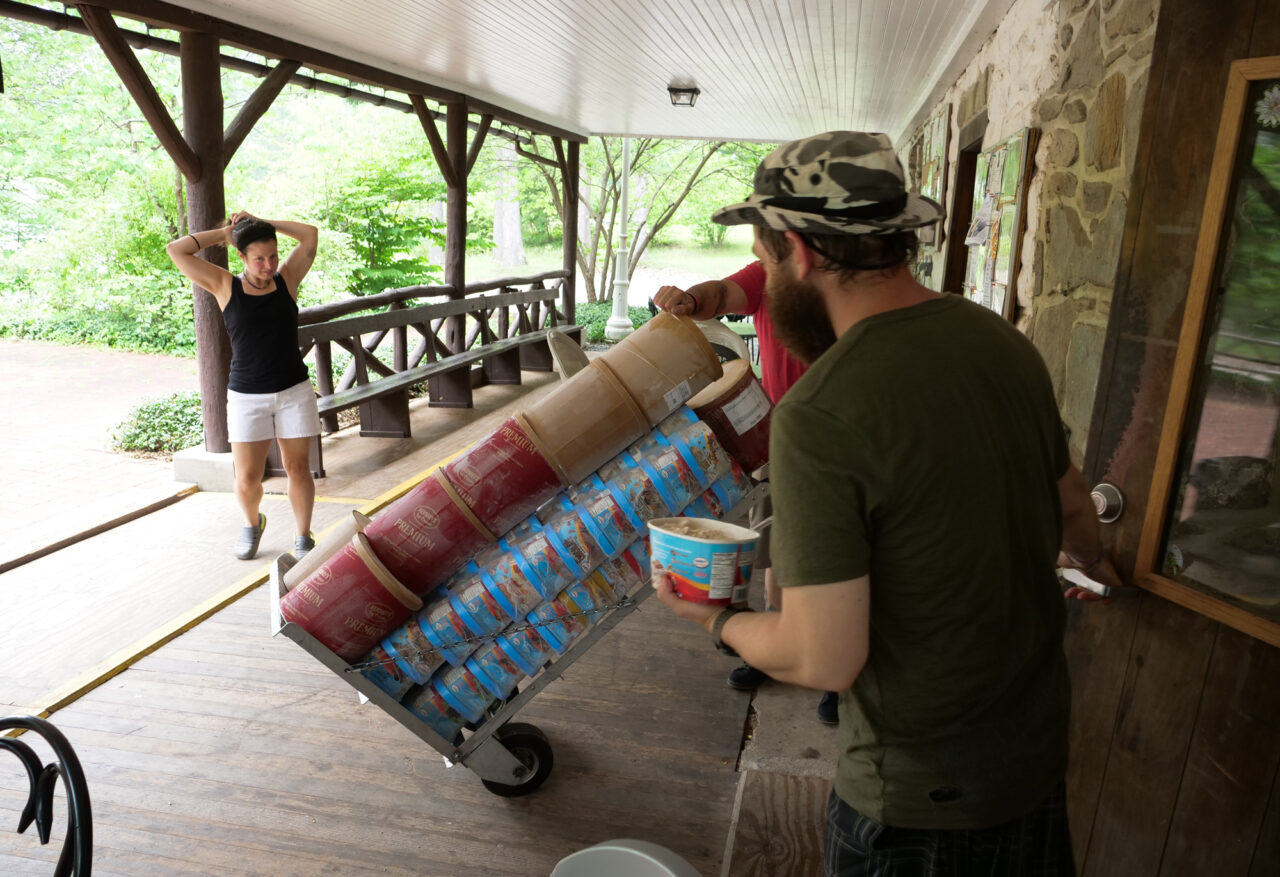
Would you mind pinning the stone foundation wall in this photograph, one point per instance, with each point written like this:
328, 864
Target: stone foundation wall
1077, 70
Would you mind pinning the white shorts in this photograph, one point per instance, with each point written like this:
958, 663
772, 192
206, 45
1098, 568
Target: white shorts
255, 417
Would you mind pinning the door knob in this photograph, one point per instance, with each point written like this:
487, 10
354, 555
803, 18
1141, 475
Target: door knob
1108, 502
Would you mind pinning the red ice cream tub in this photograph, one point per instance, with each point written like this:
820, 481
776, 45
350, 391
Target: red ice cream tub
737, 410
427, 534
351, 602
505, 476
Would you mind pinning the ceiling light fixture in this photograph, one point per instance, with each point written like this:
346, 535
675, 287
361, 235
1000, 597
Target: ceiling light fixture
683, 95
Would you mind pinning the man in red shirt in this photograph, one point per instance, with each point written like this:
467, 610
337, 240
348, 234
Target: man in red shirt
743, 293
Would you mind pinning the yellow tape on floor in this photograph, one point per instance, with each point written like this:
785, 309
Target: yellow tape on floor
126, 657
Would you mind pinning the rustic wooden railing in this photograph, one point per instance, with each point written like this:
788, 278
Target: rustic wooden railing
488, 335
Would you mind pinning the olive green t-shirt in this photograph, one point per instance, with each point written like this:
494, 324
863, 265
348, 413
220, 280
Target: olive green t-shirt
924, 450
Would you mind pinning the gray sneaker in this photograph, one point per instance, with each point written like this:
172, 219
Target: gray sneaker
303, 544
247, 544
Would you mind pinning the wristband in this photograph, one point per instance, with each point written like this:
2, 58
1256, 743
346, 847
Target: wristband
717, 628
197, 240
697, 306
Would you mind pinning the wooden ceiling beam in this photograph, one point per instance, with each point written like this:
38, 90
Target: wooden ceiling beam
258, 103
105, 31
63, 21
478, 141
168, 15
539, 158
438, 149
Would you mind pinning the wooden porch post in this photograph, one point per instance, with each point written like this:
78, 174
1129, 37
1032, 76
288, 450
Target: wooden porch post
206, 208
570, 234
452, 389
456, 386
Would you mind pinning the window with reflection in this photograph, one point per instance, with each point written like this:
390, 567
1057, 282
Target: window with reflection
1224, 531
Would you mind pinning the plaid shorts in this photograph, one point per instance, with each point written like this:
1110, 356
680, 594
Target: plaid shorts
1035, 845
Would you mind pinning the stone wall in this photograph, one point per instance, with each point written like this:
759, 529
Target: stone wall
1089, 122
1077, 70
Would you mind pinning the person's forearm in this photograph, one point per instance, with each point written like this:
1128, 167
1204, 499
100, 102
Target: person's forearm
708, 298
299, 231
761, 641
190, 244
1081, 534
756, 636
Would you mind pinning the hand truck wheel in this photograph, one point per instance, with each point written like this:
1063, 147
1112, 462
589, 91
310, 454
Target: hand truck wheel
532, 749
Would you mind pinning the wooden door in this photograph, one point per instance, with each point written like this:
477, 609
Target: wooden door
1176, 726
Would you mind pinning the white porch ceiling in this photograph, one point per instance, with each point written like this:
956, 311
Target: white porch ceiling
768, 69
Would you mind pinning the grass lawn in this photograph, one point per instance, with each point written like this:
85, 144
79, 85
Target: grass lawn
674, 264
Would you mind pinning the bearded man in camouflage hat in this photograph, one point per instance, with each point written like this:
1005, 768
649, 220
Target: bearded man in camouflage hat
922, 493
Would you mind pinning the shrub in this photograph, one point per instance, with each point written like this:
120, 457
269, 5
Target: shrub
594, 315
161, 426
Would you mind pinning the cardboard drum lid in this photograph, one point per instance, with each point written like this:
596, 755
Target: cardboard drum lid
505, 476
333, 543
663, 364
585, 422
350, 603
737, 410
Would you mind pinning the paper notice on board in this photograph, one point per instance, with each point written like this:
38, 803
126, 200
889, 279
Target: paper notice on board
748, 409
980, 229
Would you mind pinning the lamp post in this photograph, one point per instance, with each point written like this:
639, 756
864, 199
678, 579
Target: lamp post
619, 325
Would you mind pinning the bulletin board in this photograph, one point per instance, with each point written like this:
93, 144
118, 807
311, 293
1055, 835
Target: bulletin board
929, 154
999, 218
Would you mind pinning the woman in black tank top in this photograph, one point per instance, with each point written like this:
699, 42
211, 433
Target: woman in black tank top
268, 391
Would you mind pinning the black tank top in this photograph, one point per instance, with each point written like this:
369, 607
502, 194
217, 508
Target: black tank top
264, 340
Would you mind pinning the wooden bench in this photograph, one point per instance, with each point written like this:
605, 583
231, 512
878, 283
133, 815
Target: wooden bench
500, 335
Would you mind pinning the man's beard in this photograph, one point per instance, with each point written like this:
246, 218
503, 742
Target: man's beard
799, 317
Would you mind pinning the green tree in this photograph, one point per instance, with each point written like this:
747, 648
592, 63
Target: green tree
383, 208
728, 181
663, 173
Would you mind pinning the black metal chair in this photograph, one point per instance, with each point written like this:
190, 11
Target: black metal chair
77, 846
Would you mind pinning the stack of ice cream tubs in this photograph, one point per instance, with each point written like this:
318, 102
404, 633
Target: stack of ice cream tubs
499, 561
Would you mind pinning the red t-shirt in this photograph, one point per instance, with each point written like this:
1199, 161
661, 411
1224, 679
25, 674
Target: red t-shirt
778, 368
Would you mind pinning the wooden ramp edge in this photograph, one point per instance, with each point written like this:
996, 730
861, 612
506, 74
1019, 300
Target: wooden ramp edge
120, 661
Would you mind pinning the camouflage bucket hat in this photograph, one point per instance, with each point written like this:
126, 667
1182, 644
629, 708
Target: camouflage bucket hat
843, 182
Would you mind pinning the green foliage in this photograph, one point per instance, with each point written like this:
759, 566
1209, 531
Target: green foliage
1250, 318
539, 218
593, 316
383, 209
728, 181
89, 199
162, 426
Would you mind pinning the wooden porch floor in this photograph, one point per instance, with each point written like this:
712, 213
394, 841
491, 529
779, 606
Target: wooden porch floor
231, 752
228, 751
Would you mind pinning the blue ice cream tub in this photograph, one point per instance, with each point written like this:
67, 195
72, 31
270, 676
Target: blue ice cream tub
462, 690
527, 648
708, 561
495, 670
444, 628
549, 573
382, 669
426, 703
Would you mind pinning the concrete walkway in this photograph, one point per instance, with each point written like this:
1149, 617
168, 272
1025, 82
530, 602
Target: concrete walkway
59, 476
